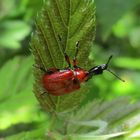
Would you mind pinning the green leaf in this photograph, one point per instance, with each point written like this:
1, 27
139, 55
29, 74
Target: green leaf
134, 37
5, 9
98, 120
64, 18
107, 17
16, 92
127, 62
13, 32
105, 119
38, 134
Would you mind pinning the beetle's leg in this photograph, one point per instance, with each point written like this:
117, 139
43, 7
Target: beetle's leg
52, 70
59, 37
65, 54
67, 59
76, 83
41, 68
75, 56
49, 71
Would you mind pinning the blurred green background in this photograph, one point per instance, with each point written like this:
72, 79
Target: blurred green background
117, 33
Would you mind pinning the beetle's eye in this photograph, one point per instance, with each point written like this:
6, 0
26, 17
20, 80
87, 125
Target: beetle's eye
103, 66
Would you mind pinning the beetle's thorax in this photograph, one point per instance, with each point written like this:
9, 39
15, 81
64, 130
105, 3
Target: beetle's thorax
80, 74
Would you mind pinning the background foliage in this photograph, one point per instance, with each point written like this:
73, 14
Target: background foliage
117, 33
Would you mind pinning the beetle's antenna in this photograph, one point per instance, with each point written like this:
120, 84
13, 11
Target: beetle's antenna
111, 71
115, 75
109, 59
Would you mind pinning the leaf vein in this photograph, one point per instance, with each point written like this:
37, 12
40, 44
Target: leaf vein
63, 21
44, 36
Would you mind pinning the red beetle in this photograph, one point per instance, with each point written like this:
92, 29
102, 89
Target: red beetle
59, 82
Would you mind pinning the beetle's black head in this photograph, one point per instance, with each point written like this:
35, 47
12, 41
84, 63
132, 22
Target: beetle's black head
99, 70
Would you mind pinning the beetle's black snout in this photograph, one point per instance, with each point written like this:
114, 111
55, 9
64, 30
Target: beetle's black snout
99, 70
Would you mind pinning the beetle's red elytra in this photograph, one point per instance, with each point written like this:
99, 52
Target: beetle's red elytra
60, 82
64, 81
